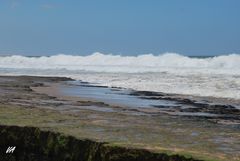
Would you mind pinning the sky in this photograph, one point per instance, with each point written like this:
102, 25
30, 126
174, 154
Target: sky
125, 27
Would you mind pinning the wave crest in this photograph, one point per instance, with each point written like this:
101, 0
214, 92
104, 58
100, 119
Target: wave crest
116, 63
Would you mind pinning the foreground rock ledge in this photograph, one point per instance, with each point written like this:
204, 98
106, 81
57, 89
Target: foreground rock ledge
33, 144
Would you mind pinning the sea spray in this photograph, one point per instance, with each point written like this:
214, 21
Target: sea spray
217, 76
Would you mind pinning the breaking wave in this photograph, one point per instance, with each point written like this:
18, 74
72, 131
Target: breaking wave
217, 76
98, 62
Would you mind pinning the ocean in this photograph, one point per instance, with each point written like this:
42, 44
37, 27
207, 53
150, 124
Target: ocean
217, 76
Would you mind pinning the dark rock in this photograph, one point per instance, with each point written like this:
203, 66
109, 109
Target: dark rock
33, 144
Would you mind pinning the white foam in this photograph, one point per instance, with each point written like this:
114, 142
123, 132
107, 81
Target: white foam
171, 73
117, 63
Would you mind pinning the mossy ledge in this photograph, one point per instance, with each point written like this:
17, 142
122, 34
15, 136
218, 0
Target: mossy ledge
34, 144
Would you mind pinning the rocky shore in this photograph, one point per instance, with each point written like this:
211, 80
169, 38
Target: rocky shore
42, 126
39, 145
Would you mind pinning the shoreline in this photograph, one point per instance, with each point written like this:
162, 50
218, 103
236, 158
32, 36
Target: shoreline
213, 109
20, 105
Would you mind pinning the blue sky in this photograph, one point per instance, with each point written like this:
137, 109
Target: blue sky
126, 27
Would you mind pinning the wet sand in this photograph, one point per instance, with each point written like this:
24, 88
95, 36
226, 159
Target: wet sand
154, 129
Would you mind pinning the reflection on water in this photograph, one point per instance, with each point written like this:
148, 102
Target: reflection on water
152, 103
114, 96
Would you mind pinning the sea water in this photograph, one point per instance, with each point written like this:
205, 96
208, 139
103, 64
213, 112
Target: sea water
217, 76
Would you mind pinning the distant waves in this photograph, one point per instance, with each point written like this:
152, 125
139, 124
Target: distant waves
170, 73
129, 64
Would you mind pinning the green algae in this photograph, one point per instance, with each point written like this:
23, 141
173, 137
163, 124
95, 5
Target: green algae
35, 145
58, 142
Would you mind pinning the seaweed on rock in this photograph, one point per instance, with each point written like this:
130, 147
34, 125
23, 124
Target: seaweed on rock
33, 144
